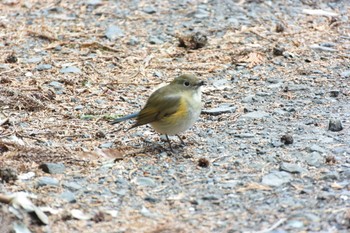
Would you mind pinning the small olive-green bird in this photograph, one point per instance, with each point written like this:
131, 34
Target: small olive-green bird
171, 109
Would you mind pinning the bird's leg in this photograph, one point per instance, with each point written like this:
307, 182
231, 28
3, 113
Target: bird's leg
167, 138
182, 141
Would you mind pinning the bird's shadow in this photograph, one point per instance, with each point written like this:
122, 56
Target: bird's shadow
162, 146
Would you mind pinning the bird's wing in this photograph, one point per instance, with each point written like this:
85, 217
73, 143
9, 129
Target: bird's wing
162, 106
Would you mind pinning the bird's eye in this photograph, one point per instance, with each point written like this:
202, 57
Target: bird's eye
186, 83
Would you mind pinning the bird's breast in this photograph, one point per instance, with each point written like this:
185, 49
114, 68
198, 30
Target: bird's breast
187, 113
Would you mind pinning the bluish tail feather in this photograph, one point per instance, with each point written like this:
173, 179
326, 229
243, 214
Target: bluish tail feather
124, 118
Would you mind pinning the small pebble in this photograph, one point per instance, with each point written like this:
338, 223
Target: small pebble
72, 186
4, 66
289, 55
287, 139
314, 159
8, 175
332, 175
121, 192
334, 93
68, 196
248, 99
70, 69
42, 67
11, 59
155, 40
279, 28
335, 125
46, 181
106, 145
328, 44
133, 41
244, 135
203, 162
33, 60
210, 197
295, 224
296, 87
94, 2
315, 148
113, 32
151, 199
58, 48
100, 134
53, 168
253, 78
201, 13
194, 41
227, 108
79, 107
345, 74
145, 181
56, 85
263, 94
148, 214
278, 51
330, 159
292, 168
276, 178
149, 10
277, 143
322, 48
256, 115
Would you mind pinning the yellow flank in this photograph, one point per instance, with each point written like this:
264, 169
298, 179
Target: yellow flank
179, 114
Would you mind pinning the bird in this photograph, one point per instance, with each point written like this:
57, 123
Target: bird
171, 109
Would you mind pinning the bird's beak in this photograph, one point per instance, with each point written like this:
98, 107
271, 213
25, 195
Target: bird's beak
201, 83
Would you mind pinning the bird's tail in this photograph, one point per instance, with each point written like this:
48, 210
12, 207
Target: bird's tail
124, 118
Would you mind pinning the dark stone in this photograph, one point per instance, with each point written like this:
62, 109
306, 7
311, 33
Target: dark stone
335, 125
279, 28
334, 93
8, 174
11, 59
278, 51
287, 139
53, 168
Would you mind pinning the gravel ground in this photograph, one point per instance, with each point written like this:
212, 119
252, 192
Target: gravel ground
270, 152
